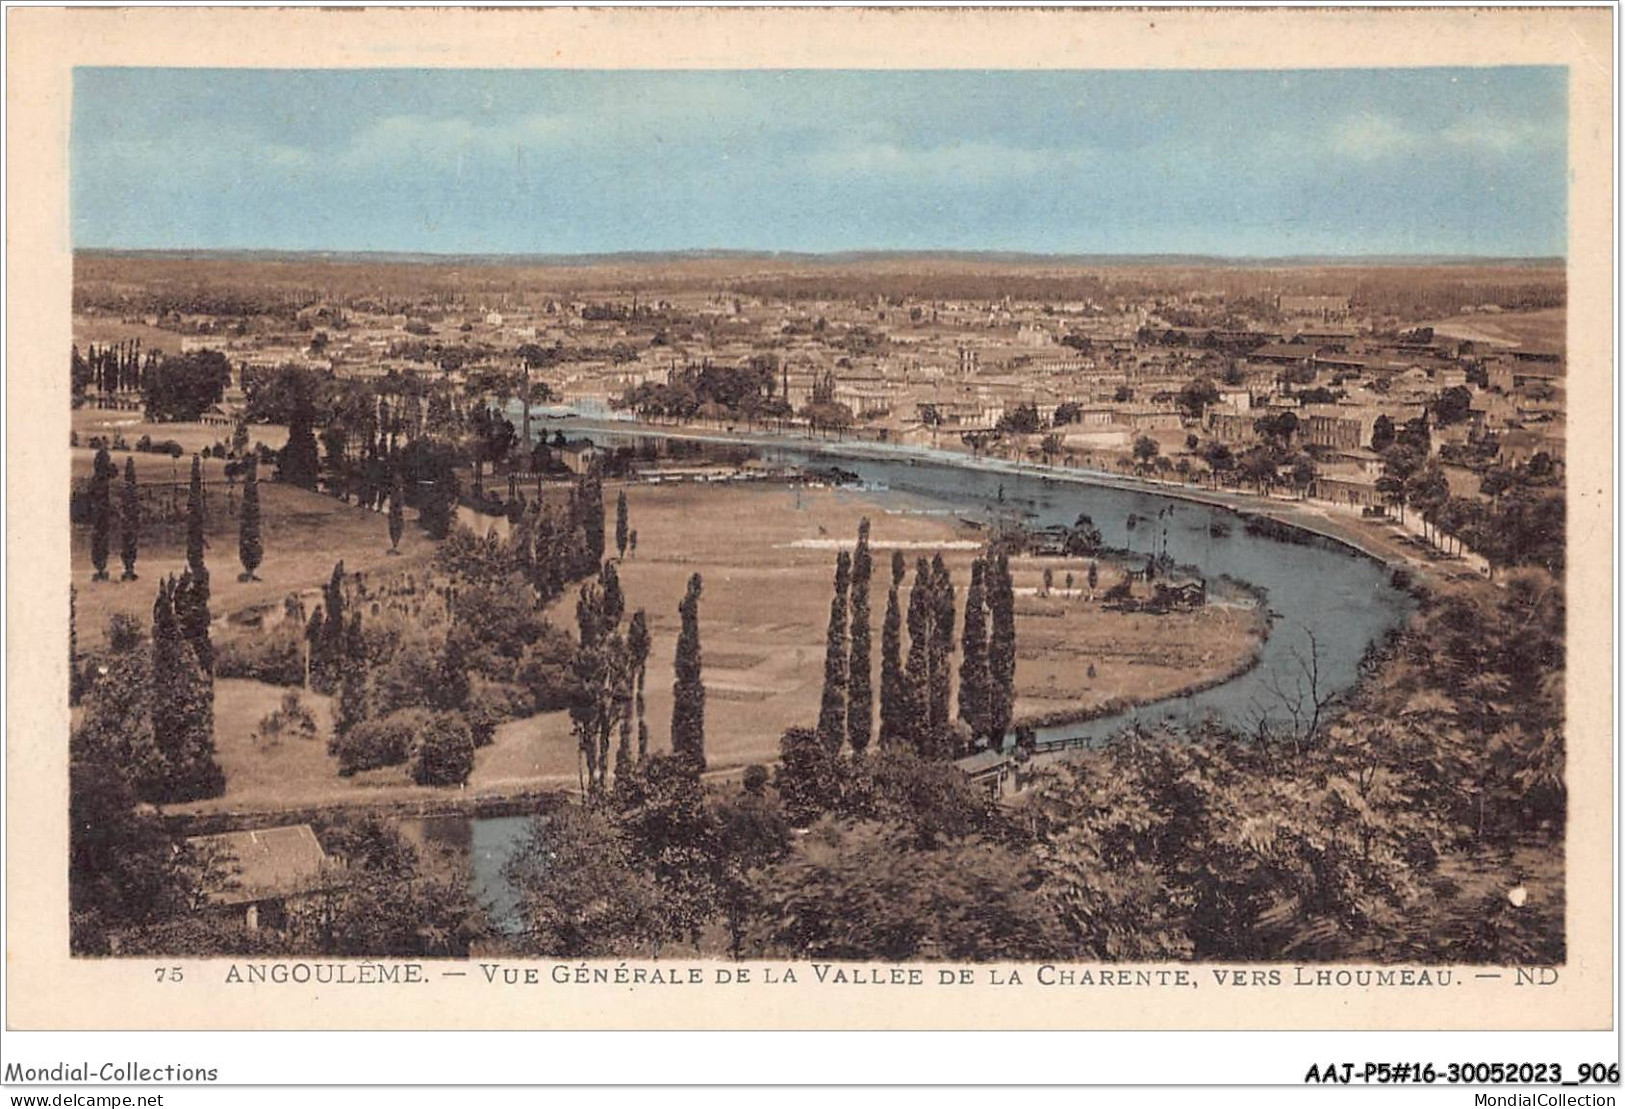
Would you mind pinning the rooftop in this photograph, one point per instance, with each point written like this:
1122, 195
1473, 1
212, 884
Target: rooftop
267, 862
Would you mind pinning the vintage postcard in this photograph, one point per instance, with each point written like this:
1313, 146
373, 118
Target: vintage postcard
810, 519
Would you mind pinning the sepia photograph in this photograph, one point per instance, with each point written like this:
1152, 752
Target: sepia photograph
1101, 523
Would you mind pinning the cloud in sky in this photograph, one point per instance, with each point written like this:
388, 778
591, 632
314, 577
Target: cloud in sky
1441, 161
1369, 136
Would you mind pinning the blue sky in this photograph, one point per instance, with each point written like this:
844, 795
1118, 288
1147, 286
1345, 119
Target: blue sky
1251, 163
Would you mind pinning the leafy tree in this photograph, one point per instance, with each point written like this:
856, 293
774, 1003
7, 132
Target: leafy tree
101, 511
603, 677
752, 835
832, 707
129, 521
298, 463
1145, 449
182, 387
124, 870
861, 891
182, 711
1382, 434
688, 688
590, 505
1197, 396
445, 754
581, 891
1277, 429
378, 741
1083, 539
250, 547
809, 776
437, 509
395, 901
1020, 420
115, 728
672, 836
452, 689
1452, 405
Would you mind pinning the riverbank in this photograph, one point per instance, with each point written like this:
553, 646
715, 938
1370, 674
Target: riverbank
1384, 539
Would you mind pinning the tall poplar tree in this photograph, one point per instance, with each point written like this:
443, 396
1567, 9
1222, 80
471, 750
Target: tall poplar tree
1001, 651
397, 510
194, 517
250, 547
129, 521
891, 661
621, 529
101, 512
688, 689
860, 706
916, 687
973, 672
832, 706
592, 516
941, 657
638, 643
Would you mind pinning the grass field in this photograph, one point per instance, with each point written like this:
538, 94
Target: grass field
194, 438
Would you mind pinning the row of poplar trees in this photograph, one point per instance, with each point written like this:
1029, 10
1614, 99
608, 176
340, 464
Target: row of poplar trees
610, 681
916, 688
250, 542
176, 706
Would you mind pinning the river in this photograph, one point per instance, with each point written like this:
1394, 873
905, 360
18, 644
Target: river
1317, 591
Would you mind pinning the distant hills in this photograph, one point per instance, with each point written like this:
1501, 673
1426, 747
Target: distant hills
841, 258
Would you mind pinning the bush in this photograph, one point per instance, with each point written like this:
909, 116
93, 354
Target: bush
445, 754
292, 718
384, 741
545, 672
408, 678
492, 703
276, 657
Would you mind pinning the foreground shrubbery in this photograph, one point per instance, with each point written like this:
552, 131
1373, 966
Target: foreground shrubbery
1420, 819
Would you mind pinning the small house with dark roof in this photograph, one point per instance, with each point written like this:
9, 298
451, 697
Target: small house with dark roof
260, 873
989, 771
